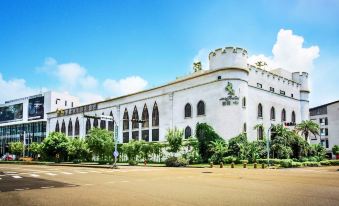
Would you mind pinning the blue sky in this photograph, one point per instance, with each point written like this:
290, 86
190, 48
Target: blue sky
116, 47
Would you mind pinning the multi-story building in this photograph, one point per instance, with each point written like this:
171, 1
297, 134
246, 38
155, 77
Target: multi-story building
327, 116
232, 96
26, 118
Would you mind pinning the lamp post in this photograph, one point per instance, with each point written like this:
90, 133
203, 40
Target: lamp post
268, 144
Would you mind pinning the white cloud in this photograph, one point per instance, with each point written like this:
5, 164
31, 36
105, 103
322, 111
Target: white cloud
125, 86
289, 53
89, 97
15, 88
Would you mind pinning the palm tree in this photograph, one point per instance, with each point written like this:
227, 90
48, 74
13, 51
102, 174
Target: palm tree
219, 149
306, 127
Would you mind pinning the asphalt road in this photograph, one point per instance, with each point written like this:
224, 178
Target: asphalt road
55, 185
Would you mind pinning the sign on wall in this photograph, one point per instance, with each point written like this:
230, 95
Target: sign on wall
11, 113
36, 108
231, 99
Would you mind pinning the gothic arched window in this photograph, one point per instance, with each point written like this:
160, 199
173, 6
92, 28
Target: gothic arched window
155, 123
188, 132
272, 113
135, 124
201, 108
283, 115
63, 127
293, 117
57, 128
70, 128
259, 110
88, 125
95, 123
125, 127
145, 124
103, 123
77, 128
111, 123
188, 110
260, 133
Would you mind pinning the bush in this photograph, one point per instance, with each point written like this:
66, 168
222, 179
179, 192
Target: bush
311, 164
325, 163
132, 162
304, 159
312, 159
244, 161
229, 160
334, 162
297, 164
286, 163
176, 162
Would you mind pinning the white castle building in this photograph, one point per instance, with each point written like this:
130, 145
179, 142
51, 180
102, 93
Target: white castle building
232, 96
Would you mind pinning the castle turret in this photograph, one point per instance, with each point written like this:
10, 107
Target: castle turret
302, 79
229, 57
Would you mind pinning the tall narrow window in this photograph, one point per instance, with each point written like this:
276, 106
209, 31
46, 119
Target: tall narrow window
88, 125
283, 115
125, 127
272, 113
70, 128
188, 132
145, 124
259, 110
244, 102
135, 124
111, 123
188, 110
245, 128
103, 123
293, 117
57, 128
201, 108
63, 127
95, 123
77, 128
155, 123
260, 133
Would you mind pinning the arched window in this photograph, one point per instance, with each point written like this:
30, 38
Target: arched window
155, 123
95, 122
188, 110
293, 117
272, 113
201, 108
103, 123
145, 124
70, 128
57, 128
88, 125
283, 115
63, 127
259, 110
188, 132
125, 127
111, 123
244, 102
245, 128
77, 128
135, 124
260, 133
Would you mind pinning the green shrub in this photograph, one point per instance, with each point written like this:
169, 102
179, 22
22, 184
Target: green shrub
312, 159
286, 163
229, 159
244, 161
102, 162
76, 161
334, 162
297, 164
132, 162
325, 163
304, 159
311, 164
176, 162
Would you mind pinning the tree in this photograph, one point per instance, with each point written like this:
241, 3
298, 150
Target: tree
131, 149
256, 150
157, 150
35, 148
174, 139
280, 148
205, 135
335, 149
100, 142
16, 148
306, 127
146, 150
237, 146
78, 149
219, 149
318, 151
55, 146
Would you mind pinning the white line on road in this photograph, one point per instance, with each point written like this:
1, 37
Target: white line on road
51, 174
34, 175
67, 173
16, 176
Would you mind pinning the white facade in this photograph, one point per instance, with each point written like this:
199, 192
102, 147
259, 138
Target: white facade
231, 91
327, 116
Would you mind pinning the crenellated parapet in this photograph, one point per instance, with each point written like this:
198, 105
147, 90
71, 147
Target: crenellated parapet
228, 57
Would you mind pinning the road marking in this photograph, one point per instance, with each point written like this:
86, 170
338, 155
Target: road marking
51, 174
34, 175
16, 177
67, 173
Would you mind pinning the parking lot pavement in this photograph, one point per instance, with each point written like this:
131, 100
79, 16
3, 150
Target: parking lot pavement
48, 185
